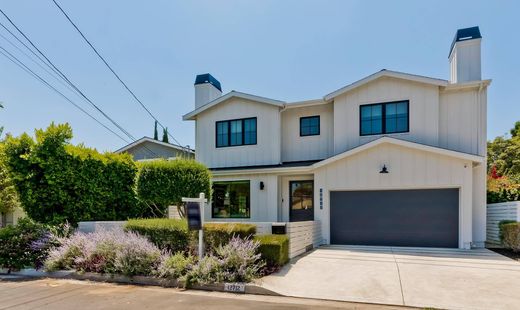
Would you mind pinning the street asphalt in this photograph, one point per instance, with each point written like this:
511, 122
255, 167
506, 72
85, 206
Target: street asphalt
25, 293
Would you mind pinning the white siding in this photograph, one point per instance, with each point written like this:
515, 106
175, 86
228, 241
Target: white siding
423, 111
462, 121
408, 169
265, 152
263, 203
296, 148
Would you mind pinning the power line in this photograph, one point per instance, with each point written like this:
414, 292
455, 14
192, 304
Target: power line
114, 72
66, 79
24, 67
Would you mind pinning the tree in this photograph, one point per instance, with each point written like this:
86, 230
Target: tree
1, 127
515, 132
8, 195
165, 135
155, 133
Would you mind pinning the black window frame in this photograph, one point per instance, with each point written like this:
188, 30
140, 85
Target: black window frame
248, 201
383, 118
243, 140
310, 117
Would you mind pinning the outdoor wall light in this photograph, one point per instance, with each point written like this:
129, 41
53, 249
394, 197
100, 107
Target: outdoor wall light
384, 169
261, 185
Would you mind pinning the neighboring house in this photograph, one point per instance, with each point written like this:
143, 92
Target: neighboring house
11, 218
148, 149
392, 159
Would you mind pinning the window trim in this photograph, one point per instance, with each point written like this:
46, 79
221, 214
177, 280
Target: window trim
309, 117
383, 118
213, 216
242, 120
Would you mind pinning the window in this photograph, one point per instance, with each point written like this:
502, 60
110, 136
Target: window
236, 132
384, 118
309, 126
231, 199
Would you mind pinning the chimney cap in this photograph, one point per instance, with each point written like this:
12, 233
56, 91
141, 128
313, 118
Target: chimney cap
464, 35
207, 78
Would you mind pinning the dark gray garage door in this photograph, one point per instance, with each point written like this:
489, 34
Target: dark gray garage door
421, 218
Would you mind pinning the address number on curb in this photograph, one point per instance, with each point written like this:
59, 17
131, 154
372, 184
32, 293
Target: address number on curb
235, 287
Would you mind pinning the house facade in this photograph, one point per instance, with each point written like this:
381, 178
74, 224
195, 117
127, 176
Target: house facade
392, 159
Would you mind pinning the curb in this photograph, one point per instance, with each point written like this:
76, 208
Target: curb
137, 280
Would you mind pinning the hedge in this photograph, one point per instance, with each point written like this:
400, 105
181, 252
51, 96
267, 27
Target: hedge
501, 228
59, 182
503, 195
167, 234
511, 236
162, 183
216, 234
274, 249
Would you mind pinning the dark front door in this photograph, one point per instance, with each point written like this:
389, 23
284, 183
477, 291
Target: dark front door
418, 218
301, 201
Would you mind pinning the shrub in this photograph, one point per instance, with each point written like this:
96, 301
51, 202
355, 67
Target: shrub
59, 182
236, 261
501, 228
176, 266
112, 251
162, 183
274, 249
16, 251
217, 234
167, 234
511, 236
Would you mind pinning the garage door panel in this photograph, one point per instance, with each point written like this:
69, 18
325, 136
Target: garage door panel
395, 217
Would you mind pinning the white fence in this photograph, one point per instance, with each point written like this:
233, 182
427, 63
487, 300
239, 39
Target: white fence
303, 236
89, 227
497, 212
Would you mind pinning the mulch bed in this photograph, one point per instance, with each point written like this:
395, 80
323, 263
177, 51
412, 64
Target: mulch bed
508, 253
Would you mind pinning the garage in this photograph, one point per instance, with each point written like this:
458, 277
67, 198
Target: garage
415, 218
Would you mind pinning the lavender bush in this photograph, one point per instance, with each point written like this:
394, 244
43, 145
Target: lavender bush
176, 266
104, 251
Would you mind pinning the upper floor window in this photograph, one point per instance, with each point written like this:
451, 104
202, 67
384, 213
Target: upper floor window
310, 126
236, 132
384, 118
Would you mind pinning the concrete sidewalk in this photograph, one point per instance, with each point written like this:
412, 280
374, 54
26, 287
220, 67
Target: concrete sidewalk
419, 277
16, 293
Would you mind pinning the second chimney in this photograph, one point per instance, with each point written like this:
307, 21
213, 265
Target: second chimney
465, 56
207, 89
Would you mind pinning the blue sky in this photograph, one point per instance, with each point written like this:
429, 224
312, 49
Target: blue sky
286, 50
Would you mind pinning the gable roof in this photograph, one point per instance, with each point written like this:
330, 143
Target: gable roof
387, 73
148, 139
232, 94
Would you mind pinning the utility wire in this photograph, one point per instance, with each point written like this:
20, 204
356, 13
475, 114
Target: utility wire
114, 72
66, 79
24, 67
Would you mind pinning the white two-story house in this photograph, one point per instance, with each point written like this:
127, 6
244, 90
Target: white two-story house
392, 159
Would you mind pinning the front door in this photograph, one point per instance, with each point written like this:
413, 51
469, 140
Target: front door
301, 201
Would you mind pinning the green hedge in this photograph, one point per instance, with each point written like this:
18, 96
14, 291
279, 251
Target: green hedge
162, 183
504, 195
511, 236
59, 182
216, 234
274, 249
501, 228
168, 234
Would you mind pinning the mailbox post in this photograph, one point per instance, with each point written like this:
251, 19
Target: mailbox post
195, 215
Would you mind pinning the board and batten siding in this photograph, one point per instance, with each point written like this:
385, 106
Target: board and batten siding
408, 169
423, 111
265, 152
462, 121
263, 203
297, 148
497, 212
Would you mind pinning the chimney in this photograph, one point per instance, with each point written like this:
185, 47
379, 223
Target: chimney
465, 56
207, 88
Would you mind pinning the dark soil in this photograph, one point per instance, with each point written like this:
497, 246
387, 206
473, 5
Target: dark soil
508, 253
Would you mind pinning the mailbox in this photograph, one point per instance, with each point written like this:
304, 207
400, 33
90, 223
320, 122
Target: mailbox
194, 216
278, 229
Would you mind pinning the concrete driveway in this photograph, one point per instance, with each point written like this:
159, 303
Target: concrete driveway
420, 277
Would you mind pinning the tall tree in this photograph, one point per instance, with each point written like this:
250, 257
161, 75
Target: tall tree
155, 133
1, 127
504, 154
165, 135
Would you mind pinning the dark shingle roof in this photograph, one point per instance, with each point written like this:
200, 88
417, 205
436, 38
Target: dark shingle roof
465, 34
207, 78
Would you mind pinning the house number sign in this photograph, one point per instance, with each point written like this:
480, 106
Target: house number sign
235, 287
